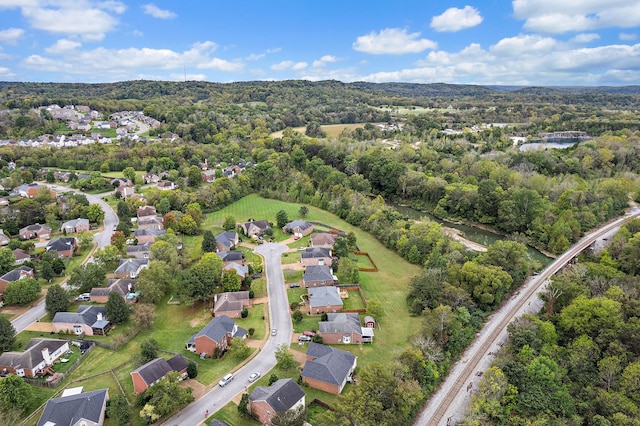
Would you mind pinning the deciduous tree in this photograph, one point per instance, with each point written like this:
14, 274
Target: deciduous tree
7, 334
15, 393
57, 300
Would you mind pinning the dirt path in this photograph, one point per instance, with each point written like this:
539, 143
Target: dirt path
456, 235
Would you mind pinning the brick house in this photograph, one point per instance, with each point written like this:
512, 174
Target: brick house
65, 247
21, 256
146, 211
231, 256
35, 231
324, 299
140, 251
148, 235
282, 396
130, 268
150, 222
157, 369
14, 275
344, 328
328, 369
75, 226
316, 256
230, 304
299, 228
215, 335
323, 239
225, 241
120, 286
208, 176
37, 358
80, 409
255, 228
318, 276
89, 321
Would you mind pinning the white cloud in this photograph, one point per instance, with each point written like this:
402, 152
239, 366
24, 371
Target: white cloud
11, 35
394, 41
523, 44
628, 36
221, 65
258, 56
6, 73
289, 65
62, 46
329, 58
455, 19
156, 12
298, 66
137, 33
585, 38
555, 17
114, 6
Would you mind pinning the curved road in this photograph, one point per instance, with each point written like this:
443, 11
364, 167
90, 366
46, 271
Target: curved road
449, 403
280, 319
103, 239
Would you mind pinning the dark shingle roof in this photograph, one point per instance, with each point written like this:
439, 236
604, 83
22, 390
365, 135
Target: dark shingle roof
120, 286
154, 370
231, 301
329, 365
32, 354
86, 314
131, 265
69, 410
14, 274
281, 395
315, 252
216, 330
178, 362
317, 273
227, 239
230, 255
298, 224
61, 244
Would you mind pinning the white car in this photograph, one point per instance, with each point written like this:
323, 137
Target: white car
226, 379
254, 377
274, 331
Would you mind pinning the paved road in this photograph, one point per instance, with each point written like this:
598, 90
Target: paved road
280, 319
452, 398
103, 239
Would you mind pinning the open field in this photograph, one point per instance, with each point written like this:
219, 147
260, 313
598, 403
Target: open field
332, 130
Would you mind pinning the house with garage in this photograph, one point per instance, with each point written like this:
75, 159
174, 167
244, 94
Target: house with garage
35, 231
14, 275
130, 268
139, 251
215, 336
208, 176
36, 359
318, 276
226, 241
298, 228
90, 320
74, 226
316, 256
123, 287
241, 270
323, 239
157, 369
148, 235
282, 396
230, 304
146, 211
328, 369
231, 256
21, 256
150, 222
255, 228
344, 328
65, 247
76, 409
167, 185
324, 299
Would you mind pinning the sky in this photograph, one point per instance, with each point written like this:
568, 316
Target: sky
486, 42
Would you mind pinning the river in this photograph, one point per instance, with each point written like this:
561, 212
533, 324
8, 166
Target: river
477, 235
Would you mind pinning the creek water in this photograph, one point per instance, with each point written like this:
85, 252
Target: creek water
472, 233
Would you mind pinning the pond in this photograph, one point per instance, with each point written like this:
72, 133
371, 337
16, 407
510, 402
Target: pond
471, 233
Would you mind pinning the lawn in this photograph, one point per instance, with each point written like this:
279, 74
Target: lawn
354, 301
292, 276
361, 260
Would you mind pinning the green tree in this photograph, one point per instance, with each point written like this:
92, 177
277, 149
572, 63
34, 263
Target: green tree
375, 309
7, 259
87, 276
304, 211
297, 316
591, 316
273, 378
143, 315
57, 300
494, 400
238, 350
21, 292
148, 350
282, 218
187, 225
243, 406
15, 393
119, 410
129, 173
340, 247
348, 271
510, 256
95, 213
7, 334
195, 176
208, 270
153, 282
165, 397
231, 281
192, 370
209, 243
165, 252
117, 309
296, 417
229, 223
107, 257
284, 358
487, 284
119, 240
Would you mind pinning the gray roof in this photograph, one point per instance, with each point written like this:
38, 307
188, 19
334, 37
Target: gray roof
61, 244
154, 370
32, 354
346, 322
36, 228
240, 269
227, 239
315, 252
324, 296
231, 301
230, 255
281, 395
69, 410
87, 315
178, 362
75, 223
329, 365
14, 274
216, 330
120, 286
140, 248
317, 273
150, 231
298, 224
131, 265
150, 219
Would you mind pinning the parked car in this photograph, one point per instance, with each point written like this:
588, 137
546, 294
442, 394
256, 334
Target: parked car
253, 377
256, 276
226, 379
309, 333
294, 285
84, 297
304, 338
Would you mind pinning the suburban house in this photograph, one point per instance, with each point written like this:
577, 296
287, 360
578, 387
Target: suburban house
130, 268
208, 176
151, 178
146, 211
35, 231
30, 190
299, 228
225, 241
166, 185
318, 275
344, 328
148, 235
282, 396
4, 240
229, 256
150, 222
241, 270
14, 275
140, 251
324, 299
75, 226
90, 320
323, 239
21, 256
122, 286
121, 182
216, 335
36, 359
255, 228
77, 409
327, 368
316, 256
65, 247
126, 191
156, 370
230, 304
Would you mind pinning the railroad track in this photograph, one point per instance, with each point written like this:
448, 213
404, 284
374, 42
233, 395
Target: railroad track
512, 307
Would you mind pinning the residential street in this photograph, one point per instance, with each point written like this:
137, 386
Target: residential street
280, 319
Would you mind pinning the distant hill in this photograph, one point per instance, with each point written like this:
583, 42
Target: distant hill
610, 90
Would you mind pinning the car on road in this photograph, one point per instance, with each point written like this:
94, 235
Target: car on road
226, 379
254, 377
274, 331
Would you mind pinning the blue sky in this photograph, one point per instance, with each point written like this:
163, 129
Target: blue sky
519, 42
